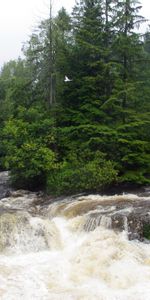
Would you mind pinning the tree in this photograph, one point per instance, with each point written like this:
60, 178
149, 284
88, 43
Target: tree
131, 119
28, 143
128, 48
79, 134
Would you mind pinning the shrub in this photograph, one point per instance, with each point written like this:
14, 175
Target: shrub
27, 146
76, 176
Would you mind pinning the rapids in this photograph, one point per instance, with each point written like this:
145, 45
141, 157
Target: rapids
100, 264
57, 253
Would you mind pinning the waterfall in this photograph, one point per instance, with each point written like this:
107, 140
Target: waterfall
84, 265
72, 251
21, 233
92, 223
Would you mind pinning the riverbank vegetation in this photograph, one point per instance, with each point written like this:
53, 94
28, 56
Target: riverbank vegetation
75, 112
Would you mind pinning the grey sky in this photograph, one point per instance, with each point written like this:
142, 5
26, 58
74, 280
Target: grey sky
19, 17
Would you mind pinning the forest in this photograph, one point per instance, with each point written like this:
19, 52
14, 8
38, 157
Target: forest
75, 110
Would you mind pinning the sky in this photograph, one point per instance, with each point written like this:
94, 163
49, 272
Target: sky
18, 18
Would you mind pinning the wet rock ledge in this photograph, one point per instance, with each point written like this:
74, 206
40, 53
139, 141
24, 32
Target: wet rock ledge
130, 216
126, 212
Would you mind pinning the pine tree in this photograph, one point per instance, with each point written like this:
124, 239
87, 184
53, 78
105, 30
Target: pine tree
131, 121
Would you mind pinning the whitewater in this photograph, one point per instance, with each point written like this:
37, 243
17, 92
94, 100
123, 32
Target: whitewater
54, 258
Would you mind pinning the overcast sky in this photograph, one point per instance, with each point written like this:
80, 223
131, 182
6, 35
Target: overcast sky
19, 17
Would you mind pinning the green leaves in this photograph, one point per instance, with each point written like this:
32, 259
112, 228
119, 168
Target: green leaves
28, 148
97, 129
84, 174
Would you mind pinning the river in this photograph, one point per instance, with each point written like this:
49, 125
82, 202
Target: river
52, 255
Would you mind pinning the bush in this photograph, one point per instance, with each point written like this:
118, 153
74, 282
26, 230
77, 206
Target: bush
30, 164
76, 176
27, 146
29, 142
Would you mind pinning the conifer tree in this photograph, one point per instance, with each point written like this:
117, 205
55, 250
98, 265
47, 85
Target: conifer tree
94, 66
131, 122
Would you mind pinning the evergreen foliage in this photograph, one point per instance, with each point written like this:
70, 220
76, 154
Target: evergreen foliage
92, 130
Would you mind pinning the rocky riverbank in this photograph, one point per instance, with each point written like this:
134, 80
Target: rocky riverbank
125, 212
128, 212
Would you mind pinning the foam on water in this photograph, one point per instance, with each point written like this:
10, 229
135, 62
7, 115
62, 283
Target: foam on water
22, 233
97, 265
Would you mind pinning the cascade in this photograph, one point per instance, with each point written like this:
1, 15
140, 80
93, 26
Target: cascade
73, 249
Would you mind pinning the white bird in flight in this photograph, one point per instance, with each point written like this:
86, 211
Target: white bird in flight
67, 79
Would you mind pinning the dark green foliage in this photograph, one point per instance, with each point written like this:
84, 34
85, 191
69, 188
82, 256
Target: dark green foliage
28, 141
81, 174
146, 231
89, 132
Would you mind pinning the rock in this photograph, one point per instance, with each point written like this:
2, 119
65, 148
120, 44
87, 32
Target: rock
17, 193
4, 184
22, 200
129, 213
125, 217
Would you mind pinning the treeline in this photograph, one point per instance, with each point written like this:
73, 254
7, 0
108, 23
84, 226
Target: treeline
75, 112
